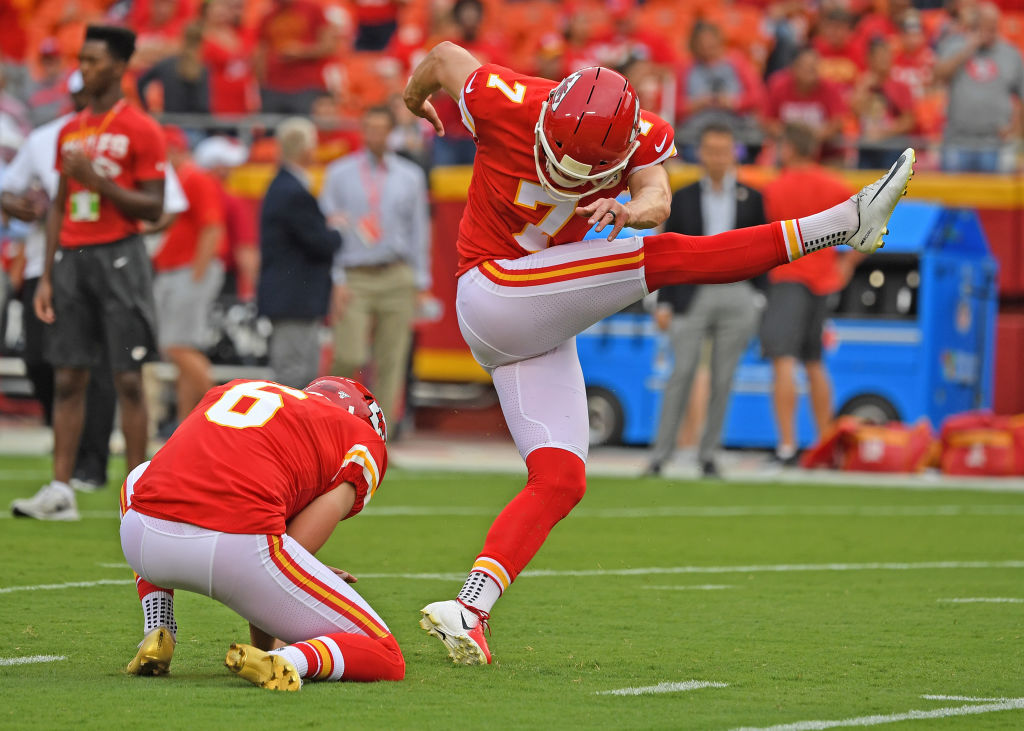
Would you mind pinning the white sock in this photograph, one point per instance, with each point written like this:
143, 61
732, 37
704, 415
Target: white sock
158, 611
295, 656
64, 488
480, 591
785, 451
822, 230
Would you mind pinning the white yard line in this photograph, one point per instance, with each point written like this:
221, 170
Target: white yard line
67, 585
121, 565
723, 511
684, 511
982, 600
25, 475
784, 568
692, 587
1008, 704
753, 569
665, 688
649, 571
964, 698
85, 514
31, 659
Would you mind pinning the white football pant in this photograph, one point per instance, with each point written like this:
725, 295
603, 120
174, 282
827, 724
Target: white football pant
271, 581
520, 318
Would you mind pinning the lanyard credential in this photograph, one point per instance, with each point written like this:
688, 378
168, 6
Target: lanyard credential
89, 143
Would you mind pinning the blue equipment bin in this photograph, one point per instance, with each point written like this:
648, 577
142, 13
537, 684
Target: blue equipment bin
912, 336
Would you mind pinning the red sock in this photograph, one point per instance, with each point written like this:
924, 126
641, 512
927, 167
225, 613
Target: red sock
352, 657
557, 481
727, 257
145, 588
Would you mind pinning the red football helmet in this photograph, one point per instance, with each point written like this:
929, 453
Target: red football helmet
354, 398
587, 131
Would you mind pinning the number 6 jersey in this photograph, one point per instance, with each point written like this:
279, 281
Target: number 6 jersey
253, 454
508, 214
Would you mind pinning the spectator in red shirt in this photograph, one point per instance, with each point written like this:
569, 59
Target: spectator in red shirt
885, 24
580, 49
376, 22
240, 252
48, 96
336, 135
798, 95
227, 53
457, 146
296, 41
159, 25
189, 274
914, 60
791, 330
629, 40
842, 58
885, 109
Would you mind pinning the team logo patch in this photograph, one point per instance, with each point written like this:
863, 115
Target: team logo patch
376, 418
562, 89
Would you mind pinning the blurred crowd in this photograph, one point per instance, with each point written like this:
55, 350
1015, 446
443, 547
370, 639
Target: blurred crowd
866, 75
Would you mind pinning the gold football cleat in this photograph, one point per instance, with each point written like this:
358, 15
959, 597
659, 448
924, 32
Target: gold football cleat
261, 668
154, 655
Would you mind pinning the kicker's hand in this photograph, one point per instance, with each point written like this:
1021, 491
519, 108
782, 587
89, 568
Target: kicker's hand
345, 575
606, 212
425, 110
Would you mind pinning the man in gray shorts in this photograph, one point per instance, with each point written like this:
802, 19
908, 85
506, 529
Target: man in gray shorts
189, 274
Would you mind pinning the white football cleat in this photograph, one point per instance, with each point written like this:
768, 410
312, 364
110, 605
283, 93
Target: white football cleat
461, 631
876, 202
49, 503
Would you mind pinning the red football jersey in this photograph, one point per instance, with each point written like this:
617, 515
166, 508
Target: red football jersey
786, 103
253, 454
508, 214
127, 146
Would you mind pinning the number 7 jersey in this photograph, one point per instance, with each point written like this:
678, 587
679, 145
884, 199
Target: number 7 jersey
253, 454
508, 214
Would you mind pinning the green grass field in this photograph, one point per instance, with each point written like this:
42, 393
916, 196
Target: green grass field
805, 603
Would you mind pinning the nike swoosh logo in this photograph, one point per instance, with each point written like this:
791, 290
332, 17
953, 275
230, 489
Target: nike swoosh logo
661, 145
469, 86
895, 169
464, 625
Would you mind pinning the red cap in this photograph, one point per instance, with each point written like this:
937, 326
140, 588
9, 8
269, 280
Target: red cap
176, 139
49, 47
